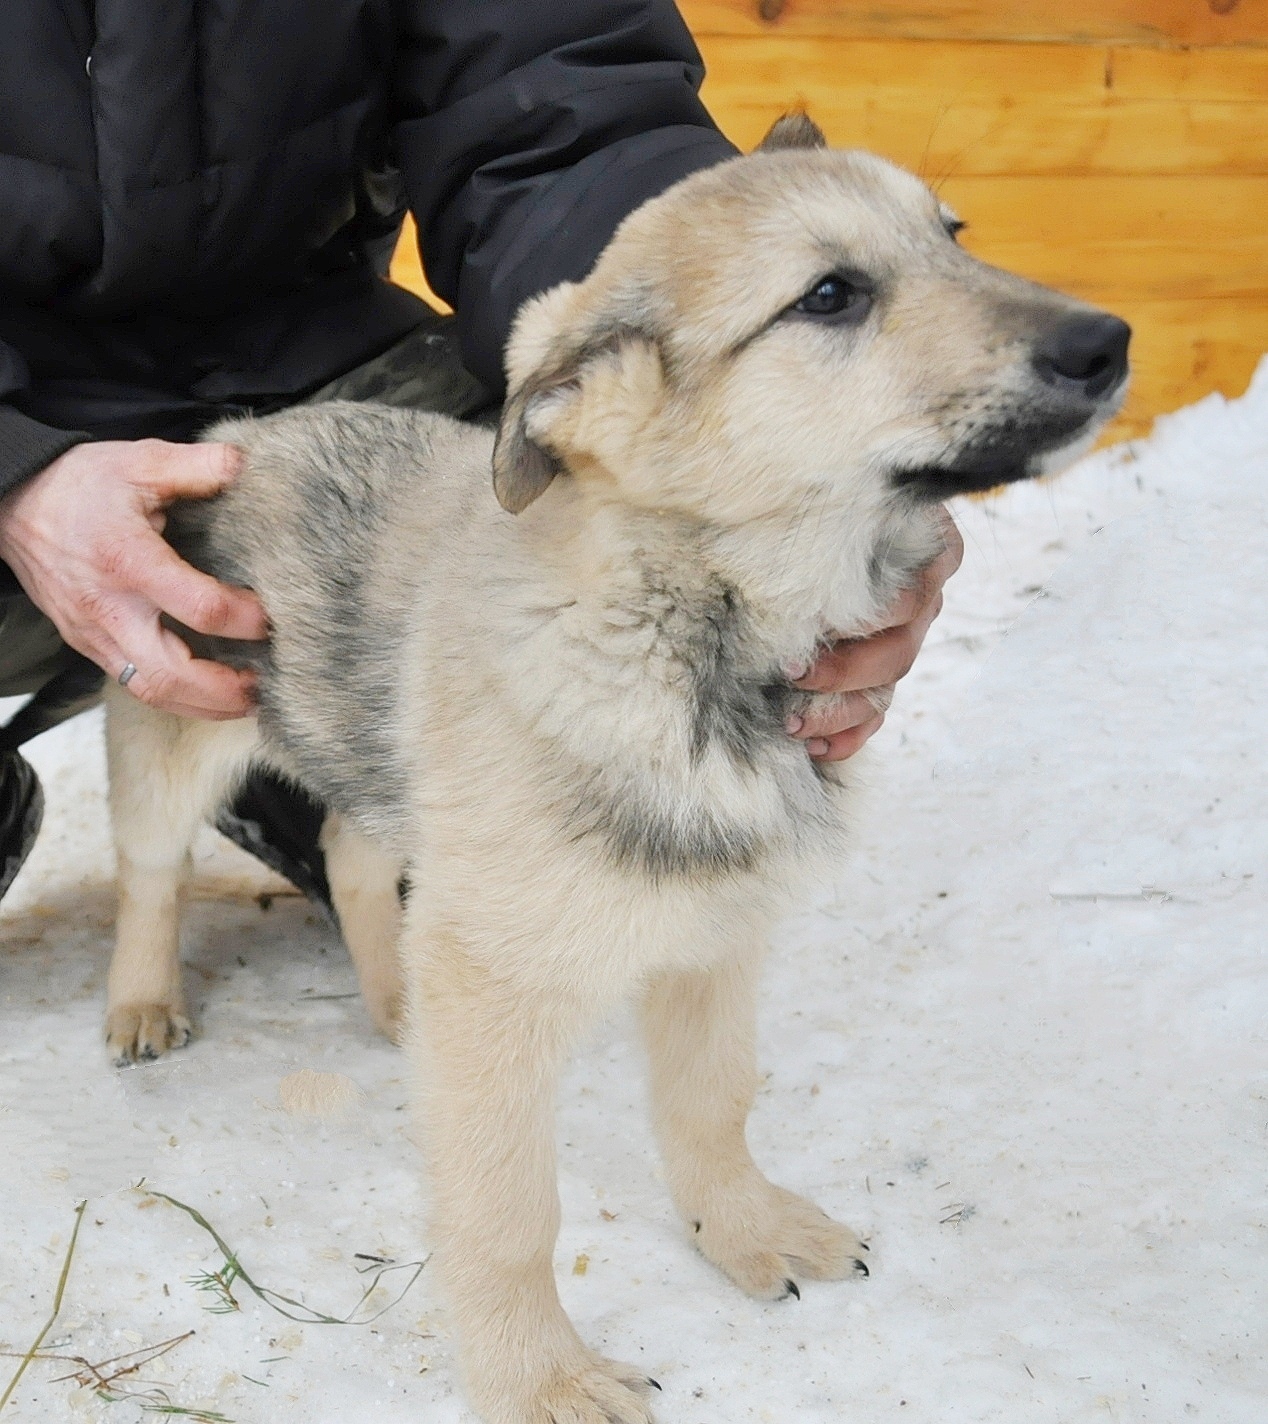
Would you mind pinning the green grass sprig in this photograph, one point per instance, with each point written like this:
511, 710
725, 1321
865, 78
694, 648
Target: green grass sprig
220, 1283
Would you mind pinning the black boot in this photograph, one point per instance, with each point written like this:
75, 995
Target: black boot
71, 691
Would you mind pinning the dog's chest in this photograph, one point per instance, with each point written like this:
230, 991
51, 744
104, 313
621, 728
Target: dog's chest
670, 754
725, 822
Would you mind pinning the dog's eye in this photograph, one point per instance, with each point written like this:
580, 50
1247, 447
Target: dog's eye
835, 295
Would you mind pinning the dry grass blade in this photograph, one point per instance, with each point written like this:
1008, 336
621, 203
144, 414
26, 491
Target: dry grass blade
57, 1306
104, 1381
220, 1283
103, 1378
126, 1364
200, 1416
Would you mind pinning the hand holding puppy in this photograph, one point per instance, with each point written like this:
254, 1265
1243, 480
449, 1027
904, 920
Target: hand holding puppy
855, 677
84, 538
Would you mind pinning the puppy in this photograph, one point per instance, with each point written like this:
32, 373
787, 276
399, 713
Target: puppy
555, 697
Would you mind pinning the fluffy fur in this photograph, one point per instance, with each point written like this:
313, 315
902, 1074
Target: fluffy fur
566, 721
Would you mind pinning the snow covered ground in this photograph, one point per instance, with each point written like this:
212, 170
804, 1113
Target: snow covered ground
1021, 1045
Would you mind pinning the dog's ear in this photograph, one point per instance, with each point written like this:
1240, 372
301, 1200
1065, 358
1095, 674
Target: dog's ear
541, 365
560, 347
522, 469
793, 131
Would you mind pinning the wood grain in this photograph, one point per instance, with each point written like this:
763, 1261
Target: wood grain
1173, 22
1184, 349
1210, 74
988, 109
1144, 238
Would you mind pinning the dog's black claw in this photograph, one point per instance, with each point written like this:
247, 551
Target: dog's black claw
861, 1268
696, 1225
865, 1246
792, 1289
655, 1384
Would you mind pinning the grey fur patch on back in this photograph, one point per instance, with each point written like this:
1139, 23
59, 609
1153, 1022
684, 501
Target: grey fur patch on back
310, 534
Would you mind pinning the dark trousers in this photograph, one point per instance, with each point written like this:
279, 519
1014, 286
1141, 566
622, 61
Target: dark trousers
31, 650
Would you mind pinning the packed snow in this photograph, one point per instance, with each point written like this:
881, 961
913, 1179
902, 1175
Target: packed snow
1020, 1044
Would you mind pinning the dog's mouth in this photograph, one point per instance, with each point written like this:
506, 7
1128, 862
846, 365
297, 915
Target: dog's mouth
1012, 451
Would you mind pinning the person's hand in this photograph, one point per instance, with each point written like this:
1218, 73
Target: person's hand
83, 537
855, 677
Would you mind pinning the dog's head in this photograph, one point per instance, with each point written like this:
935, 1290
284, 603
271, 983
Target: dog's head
801, 318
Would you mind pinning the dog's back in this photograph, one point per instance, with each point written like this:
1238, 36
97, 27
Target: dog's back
331, 522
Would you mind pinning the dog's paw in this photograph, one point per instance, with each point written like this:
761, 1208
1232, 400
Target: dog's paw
602, 1393
764, 1237
593, 1391
140, 1033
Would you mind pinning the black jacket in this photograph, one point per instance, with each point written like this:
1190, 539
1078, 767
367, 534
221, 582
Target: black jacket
198, 197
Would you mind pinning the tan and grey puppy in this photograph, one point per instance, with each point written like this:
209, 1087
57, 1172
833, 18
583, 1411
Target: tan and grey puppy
556, 695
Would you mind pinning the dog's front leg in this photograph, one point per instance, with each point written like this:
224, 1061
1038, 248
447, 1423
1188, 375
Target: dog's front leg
700, 1028
488, 1051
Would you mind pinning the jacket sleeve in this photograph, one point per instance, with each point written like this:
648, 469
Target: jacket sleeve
26, 445
527, 131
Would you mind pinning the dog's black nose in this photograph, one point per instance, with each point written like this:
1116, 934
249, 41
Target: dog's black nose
1087, 351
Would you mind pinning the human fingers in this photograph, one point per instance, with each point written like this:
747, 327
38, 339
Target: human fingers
845, 744
928, 590
190, 596
912, 602
952, 555
169, 678
851, 665
826, 716
77, 537
907, 605
878, 661
165, 471
117, 629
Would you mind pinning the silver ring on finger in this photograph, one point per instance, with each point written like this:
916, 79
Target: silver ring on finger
128, 673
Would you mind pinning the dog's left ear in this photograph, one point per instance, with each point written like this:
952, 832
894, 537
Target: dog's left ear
793, 131
522, 469
563, 350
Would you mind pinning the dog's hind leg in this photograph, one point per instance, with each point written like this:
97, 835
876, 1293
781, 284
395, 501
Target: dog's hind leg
364, 880
700, 1029
166, 774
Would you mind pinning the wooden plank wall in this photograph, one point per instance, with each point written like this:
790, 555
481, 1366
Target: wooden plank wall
1117, 149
